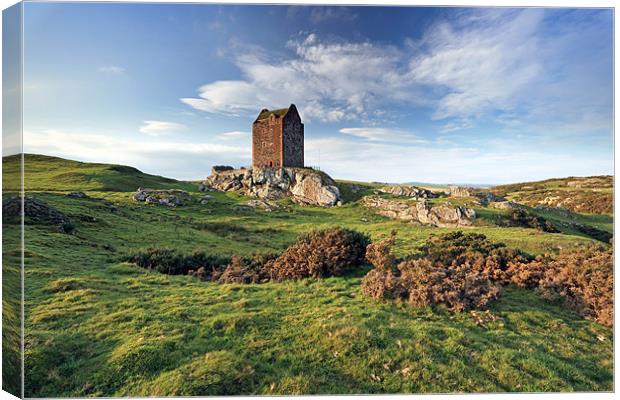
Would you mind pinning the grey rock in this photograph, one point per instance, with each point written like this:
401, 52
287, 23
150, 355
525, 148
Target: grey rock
408, 191
168, 198
421, 212
262, 204
504, 205
77, 195
303, 185
460, 191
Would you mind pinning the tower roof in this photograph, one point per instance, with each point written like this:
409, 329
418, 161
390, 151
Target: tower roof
279, 113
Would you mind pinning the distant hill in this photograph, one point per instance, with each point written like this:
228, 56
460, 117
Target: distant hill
591, 194
445, 185
46, 173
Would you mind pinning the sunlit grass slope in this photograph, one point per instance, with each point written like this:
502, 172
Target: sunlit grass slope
99, 327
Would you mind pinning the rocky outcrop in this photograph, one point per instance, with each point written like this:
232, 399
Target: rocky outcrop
486, 198
205, 199
408, 191
262, 204
77, 195
460, 191
169, 198
303, 185
421, 212
37, 212
504, 205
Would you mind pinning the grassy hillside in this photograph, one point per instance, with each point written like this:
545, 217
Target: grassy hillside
45, 173
593, 194
97, 326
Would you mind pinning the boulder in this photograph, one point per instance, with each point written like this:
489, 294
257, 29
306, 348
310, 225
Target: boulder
315, 188
77, 195
262, 204
486, 198
220, 168
504, 205
460, 191
168, 198
421, 212
36, 212
304, 185
408, 191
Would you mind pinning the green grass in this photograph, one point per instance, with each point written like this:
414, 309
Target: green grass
96, 326
11, 291
44, 173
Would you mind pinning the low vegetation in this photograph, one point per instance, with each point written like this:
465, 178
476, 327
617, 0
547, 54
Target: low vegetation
523, 218
318, 254
464, 272
98, 325
583, 280
579, 194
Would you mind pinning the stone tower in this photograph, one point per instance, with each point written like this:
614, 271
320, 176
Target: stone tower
278, 138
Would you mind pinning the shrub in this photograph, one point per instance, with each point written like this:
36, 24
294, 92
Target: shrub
488, 258
446, 274
528, 274
319, 254
458, 287
171, 262
583, 279
247, 270
382, 284
522, 218
379, 254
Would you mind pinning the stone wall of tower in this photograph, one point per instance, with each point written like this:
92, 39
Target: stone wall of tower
292, 140
267, 142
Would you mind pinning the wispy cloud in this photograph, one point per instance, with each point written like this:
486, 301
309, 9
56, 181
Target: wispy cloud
234, 135
483, 65
505, 65
158, 128
376, 134
329, 81
112, 69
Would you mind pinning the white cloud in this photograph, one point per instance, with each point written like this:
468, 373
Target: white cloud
112, 69
181, 160
158, 128
383, 134
233, 135
483, 66
327, 81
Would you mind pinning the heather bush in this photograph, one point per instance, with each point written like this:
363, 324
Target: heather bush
171, 262
458, 287
451, 273
319, 254
382, 284
488, 258
528, 274
379, 254
522, 218
246, 270
583, 279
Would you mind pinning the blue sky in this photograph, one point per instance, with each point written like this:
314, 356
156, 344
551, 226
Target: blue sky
446, 95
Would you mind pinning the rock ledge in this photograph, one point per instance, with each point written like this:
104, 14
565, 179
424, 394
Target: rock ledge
304, 185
